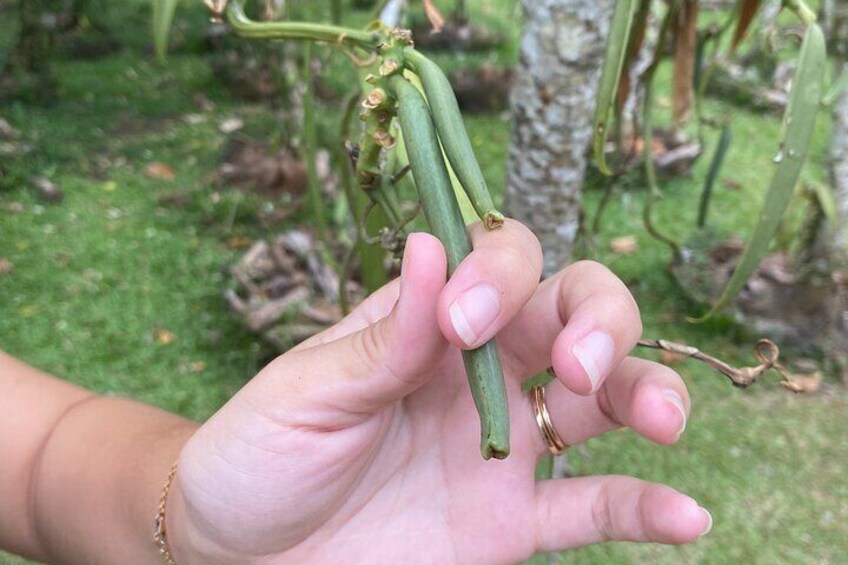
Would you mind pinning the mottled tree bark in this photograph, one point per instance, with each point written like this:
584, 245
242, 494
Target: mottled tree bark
553, 100
839, 170
835, 236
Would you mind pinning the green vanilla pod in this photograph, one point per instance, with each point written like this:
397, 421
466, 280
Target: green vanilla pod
454, 137
482, 365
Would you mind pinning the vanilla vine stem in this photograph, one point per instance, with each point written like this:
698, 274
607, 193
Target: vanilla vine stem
804, 12
306, 31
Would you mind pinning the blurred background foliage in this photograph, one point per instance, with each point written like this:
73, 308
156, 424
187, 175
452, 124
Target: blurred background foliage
119, 225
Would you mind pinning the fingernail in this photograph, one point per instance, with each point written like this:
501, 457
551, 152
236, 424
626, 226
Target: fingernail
474, 311
709, 521
674, 399
594, 352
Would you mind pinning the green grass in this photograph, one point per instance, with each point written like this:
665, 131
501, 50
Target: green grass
97, 276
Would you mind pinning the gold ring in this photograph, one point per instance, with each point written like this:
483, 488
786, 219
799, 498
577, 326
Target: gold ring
543, 421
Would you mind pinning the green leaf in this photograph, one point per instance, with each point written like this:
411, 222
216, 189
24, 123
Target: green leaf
798, 122
163, 15
622, 21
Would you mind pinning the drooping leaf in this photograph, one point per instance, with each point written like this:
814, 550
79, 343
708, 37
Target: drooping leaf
715, 167
685, 29
747, 11
622, 20
637, 38
798, 124
163, 16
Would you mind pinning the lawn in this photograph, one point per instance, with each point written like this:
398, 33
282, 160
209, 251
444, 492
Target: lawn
119, 288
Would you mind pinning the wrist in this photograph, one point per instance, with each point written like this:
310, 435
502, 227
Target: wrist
110, 457
188, 541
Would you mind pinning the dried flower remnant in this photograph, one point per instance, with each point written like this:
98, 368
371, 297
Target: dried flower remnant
217, 8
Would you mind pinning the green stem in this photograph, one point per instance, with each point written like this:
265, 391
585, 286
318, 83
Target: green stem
839, 85
346, 178
800, 8
380, 194
648, 135
651, 174
246, 27
602, 205
373, 267
343, 157
309, 146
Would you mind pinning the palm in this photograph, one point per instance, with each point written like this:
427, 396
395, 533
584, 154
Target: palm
410, 476
362, 444
427, 485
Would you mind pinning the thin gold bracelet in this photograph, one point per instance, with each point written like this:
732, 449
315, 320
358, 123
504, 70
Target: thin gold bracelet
160, 536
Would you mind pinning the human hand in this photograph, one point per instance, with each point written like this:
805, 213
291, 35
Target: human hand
361, 444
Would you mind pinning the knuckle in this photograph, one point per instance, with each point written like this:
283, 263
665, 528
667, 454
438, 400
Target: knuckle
608, 409
371, 345
624, 306
515, 261
602, 512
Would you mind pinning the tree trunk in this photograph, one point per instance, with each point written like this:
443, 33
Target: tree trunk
553, 100
834, 239
839, 169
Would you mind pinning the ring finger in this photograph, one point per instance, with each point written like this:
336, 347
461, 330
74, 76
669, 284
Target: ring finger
648, 397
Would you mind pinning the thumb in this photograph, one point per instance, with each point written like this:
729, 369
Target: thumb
342, 382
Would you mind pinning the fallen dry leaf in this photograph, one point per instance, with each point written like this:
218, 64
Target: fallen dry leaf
14, 207
163, 336
624, 245
229, 125
203, 102
5, 266
239, 242
437, 20
160, 171
47, 190
197, 366
28, 310
730, 184
7, 131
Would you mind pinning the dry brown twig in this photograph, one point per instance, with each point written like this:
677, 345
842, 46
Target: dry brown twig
765, 350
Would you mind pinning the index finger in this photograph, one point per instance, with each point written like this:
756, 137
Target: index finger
491, 285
